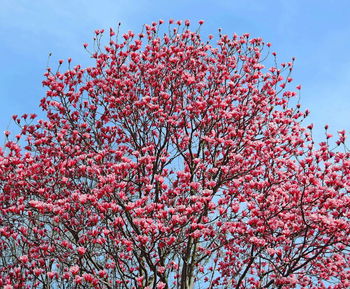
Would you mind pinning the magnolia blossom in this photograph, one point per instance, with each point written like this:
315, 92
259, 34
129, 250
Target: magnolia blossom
173, 162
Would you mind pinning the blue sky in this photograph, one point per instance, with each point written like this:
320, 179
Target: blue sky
317, 33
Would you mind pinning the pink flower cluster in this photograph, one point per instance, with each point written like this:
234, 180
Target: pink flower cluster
173, 162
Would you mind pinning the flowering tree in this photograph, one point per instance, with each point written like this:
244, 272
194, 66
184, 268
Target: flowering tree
173, 163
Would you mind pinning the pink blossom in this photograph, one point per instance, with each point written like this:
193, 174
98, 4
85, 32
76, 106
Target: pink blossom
51, 275
81, 250
74, 269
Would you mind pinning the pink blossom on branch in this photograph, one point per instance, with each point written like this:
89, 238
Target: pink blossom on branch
173, 162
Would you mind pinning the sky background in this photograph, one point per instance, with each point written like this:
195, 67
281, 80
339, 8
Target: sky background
317, 33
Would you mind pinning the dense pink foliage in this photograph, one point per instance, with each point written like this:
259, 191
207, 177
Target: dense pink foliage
173, 163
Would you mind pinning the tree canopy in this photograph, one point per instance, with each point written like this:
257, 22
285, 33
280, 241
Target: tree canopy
173, 162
